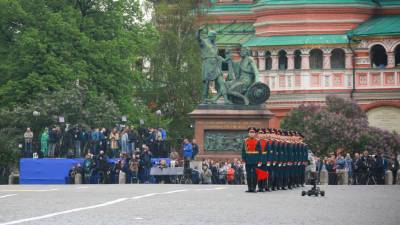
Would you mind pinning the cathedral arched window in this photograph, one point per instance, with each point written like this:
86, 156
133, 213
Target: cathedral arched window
268, 60
282, 60
378, 56
337, 58
397, 55
316, 59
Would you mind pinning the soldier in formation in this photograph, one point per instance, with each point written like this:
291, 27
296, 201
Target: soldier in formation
275, 159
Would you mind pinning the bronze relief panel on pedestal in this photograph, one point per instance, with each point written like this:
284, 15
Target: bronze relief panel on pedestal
223, 140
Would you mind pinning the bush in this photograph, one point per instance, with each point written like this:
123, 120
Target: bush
339, 124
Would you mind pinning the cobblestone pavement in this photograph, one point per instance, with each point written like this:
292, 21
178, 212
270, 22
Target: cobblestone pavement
196, 204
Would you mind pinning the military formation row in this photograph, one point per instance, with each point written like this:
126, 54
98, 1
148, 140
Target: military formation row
275, 159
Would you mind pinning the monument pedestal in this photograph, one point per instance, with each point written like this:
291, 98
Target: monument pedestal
220, 129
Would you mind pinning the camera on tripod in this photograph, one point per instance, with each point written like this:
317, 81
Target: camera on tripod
314, 190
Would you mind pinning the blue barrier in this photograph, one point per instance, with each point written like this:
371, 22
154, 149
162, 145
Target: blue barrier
45, 171
54, 170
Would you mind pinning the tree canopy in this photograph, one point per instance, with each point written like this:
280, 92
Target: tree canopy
173, 83
48, 44
74, 104
71, 58
83, 59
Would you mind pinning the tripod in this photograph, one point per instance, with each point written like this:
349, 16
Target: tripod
314, 189
187, 176
368, 178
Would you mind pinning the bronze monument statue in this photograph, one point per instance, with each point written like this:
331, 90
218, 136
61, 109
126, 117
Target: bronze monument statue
211, 68
246, 88
242, 85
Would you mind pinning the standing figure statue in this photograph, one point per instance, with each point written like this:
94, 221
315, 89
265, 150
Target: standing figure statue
246, 74
211, 67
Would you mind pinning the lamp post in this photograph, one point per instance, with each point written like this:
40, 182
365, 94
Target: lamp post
35, 115
158, 114
351, 39
124, 119
160, 144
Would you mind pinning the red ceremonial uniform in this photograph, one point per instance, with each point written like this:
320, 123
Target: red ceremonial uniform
249, 151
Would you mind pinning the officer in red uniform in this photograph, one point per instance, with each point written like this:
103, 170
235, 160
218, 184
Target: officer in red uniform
250, 156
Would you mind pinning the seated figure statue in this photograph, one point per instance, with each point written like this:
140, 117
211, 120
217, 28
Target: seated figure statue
245, 75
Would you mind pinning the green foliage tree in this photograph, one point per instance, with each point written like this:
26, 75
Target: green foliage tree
46, 44
76, 106
173, 83
339, 124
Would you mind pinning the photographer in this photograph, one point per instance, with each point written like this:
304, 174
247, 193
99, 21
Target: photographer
71, 175
145, 164
214, 170
78, 170
187, 171
102, 167
393, 166
366, 167
330, 167
195, 176
88, 168
341, 169
115, 172
357, 165
75, 169
125, 158
380, 168
134, 167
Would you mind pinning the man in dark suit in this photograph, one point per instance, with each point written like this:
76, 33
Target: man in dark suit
380, 168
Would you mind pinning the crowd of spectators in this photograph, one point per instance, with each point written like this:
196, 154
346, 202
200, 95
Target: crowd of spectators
132, 150
359, 169
136, 169
101, 169
222, 172
76, 141
342, 169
